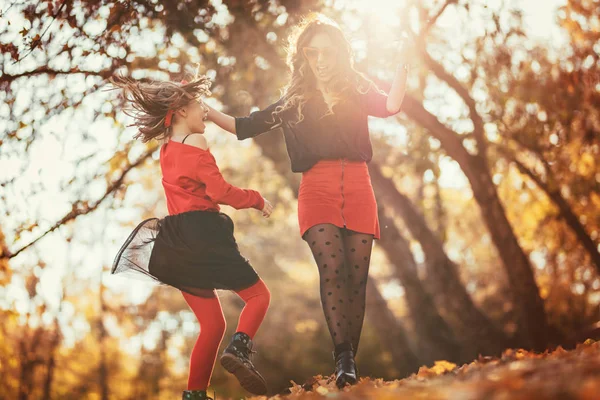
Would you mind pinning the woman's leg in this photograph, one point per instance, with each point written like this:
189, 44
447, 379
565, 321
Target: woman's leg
358, 257
325, 241
210, 316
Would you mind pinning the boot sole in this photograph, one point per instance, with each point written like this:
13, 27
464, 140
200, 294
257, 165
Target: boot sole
248, 379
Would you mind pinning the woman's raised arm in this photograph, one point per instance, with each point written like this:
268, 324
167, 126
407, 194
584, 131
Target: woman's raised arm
225, 121
398, 90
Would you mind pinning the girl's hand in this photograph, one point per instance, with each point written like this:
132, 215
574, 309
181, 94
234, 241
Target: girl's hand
267, 209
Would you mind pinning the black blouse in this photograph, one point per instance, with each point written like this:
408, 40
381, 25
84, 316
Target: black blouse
321, 135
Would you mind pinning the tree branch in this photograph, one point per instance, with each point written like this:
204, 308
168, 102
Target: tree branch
38, 40
457, 86
450, 140
81, 207
442, 74
7, 78
566, 211
433, 19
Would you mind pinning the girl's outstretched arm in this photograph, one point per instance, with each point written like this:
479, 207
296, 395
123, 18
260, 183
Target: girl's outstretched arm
222, 192
217, 188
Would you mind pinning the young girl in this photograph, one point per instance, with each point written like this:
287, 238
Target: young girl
193, 249
323, 114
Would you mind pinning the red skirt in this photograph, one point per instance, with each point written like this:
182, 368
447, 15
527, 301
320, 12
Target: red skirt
338, 192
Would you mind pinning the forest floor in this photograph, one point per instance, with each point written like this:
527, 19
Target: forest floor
517, 375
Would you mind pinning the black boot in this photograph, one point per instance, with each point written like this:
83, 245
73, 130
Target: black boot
195, 395
236, 360
345, 366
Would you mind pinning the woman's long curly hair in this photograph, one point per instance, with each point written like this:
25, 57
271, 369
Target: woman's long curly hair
303, 85
150, 101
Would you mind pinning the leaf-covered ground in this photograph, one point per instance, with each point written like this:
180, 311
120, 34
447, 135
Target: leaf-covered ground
517, 375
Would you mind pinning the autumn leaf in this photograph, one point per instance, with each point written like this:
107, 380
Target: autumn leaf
439, 368
72, 21
11, 49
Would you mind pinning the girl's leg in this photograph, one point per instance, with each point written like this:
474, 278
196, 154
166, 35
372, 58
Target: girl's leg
257, 298
210, 316
236, 357
325, 241
358, 257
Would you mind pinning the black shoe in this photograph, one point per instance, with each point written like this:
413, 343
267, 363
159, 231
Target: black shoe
236, 360
345, 368
195, 395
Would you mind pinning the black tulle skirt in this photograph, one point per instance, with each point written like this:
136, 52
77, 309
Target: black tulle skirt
195, 252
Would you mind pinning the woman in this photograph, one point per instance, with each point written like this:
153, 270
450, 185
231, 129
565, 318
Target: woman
323, 114
194, 249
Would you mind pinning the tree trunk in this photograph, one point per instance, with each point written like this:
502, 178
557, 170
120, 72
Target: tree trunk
51, 364
435, 338
25, 372
396, 340
526, 298
102, 336
440, 214
476, 331
273, 146
29, 359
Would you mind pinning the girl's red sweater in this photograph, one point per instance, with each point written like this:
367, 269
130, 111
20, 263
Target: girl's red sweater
192, 181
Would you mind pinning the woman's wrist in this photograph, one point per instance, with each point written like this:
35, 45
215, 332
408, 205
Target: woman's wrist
403, 67
211, 113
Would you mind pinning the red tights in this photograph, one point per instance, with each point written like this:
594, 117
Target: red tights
210, 316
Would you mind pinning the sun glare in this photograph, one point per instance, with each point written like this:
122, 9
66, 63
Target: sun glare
381, 15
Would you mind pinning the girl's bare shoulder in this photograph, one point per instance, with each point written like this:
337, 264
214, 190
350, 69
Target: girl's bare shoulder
197, 140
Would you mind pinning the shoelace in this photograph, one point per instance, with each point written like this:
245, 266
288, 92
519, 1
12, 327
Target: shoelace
246, 352
246, 355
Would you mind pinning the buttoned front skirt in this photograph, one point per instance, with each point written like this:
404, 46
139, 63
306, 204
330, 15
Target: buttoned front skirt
338, 192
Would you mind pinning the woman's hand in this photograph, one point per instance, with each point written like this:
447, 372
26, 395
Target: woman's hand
267, 209
226, 122
398, 89
406, 51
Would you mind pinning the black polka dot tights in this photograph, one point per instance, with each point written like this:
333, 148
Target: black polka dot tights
343, 258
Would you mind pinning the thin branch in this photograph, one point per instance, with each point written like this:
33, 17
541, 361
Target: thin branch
450, 79
51, 72
566, 211
38, 40
9, 7
433, 19
81, 208
457, 86
451, 141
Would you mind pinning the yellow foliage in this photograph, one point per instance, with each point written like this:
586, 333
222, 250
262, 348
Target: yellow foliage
439, 368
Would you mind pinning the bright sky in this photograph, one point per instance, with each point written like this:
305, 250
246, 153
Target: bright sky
50, 164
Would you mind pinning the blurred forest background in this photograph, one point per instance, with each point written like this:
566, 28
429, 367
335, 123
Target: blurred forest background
488, 184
